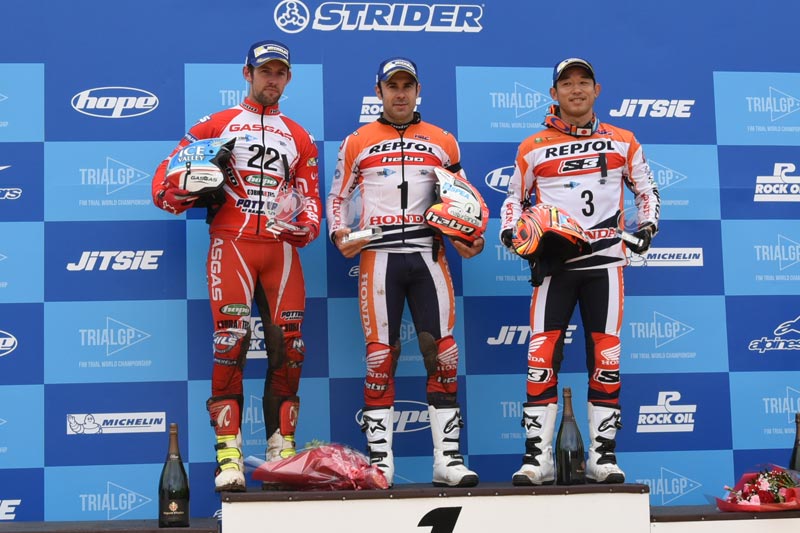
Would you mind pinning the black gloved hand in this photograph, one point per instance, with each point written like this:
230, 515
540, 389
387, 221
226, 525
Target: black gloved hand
645, 236
506, 236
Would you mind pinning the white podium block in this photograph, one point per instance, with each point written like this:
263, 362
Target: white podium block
491, 507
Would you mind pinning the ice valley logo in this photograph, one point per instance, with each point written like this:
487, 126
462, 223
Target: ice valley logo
778, 187
666, 417
786, 337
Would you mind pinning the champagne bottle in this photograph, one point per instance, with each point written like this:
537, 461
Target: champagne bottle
794, 462
173, 488
570, 460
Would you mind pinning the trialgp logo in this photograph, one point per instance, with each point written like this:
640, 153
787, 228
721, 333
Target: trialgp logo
293, 16
114, 102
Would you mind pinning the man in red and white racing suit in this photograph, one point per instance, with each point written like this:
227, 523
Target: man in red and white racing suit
392, 161
581, 166
247, 263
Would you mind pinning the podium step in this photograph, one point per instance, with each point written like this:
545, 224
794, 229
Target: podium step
490, 507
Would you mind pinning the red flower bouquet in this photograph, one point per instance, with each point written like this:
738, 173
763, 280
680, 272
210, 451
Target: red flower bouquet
772, 489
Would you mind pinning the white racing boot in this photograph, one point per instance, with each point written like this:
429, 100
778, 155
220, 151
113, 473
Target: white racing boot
378, 427
601, 466
448, 464
538, 465
224, 412
281, 444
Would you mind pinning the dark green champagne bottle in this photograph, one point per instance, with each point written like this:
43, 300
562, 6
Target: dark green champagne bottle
794, 462
173, 488
570, 459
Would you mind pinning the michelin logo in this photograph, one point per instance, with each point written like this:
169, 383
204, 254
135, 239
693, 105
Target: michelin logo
778, 187
88, 423
665, 417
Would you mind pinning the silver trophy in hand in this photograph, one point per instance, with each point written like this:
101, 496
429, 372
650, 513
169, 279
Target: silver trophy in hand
356, 216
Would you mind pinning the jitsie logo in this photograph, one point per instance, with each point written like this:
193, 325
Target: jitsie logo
519, 335
8, 508
654, 108
778, 187
666, 417
114, 102
117, 260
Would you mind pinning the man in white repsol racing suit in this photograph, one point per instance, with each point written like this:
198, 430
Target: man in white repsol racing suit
247, 263
581, 166
391, 161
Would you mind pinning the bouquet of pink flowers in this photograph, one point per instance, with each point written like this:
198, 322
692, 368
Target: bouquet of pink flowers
771, 489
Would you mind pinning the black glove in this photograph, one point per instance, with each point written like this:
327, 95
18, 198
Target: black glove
645, 236
506, 236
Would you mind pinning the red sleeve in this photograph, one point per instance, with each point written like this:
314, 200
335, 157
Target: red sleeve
206, 128
306, 177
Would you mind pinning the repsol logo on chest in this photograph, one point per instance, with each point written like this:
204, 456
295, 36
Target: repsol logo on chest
584, 147
114, 102
394, 146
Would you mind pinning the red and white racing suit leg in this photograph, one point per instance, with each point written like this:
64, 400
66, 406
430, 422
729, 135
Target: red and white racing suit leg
552, 304
601, 304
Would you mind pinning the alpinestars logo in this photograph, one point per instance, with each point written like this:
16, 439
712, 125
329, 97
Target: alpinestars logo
778, 187
778, 104
669, 485
522, 99
663, 329
530, 422
666, 417
786, 252
778, 342
116, 501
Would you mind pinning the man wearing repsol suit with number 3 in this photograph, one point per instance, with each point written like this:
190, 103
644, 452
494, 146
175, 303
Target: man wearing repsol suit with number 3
247, 262
395, 161
575, 172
